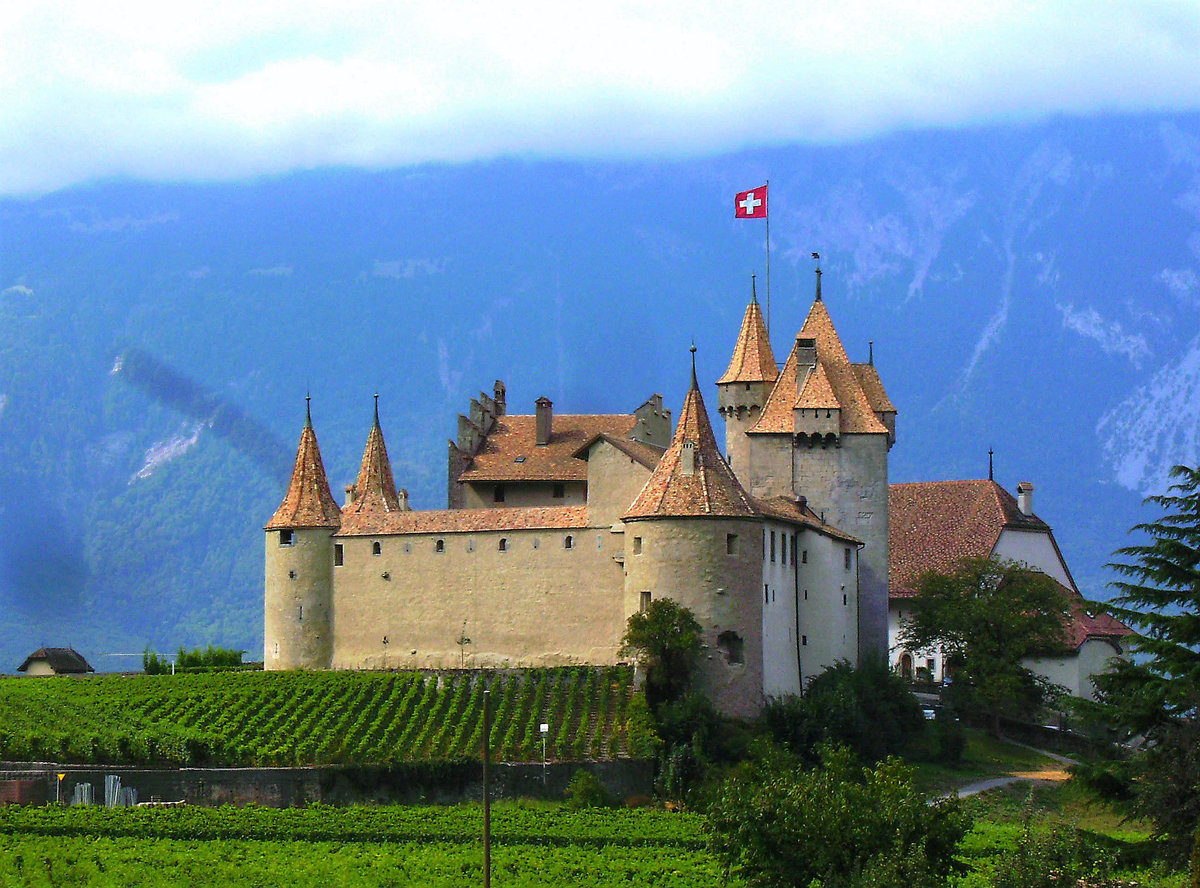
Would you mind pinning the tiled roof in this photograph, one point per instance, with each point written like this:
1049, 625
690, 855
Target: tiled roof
375, 489
857, 415
872, 386
1086, 624
308, 501
816, 391
61, 660
752, 359
934, 524
465, 521
711, 490
785, 509
646, 454
510, 451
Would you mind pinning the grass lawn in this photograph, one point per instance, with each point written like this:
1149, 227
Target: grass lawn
984, 757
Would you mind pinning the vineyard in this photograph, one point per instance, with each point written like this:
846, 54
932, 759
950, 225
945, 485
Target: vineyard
320, 846
318, 718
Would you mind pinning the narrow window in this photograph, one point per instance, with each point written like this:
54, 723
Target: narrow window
535, 542
637, 545
803, 639
804, 557
439, 546
643, 601
568, 542
843, 599
338, 555
766, 596
300, 614
498, 494
376, 548
783, 552
806, 595
846, 554
731, 544
772, 594
559, 491
287, 537
275, 652
772, 547
795, 544
503, 544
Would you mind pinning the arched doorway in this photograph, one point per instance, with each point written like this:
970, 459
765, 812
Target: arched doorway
906, 667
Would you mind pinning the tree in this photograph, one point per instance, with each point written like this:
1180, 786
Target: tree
666, 639
988, 615
1156, 697
837, 825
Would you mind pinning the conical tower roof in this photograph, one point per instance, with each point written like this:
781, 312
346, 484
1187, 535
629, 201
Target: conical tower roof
709, 490
309, 502
375, 489
752, 359
833, 375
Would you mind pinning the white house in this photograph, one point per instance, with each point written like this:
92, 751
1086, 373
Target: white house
935, 524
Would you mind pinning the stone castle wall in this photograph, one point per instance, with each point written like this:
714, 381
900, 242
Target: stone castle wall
297, 629
532, 603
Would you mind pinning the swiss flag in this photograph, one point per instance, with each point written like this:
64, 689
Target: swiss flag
751, 204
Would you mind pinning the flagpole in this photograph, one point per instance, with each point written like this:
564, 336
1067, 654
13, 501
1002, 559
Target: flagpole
768, 196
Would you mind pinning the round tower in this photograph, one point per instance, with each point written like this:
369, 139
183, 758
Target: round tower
298, 588
743, 390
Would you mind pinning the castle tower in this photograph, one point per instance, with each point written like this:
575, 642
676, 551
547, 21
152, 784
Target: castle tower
375, 489
743, 390
693, 535
824, 433
298, 587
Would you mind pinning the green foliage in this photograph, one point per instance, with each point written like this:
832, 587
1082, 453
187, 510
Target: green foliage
1156, 699
836, 826
196, 660
1052, 856
988, 615
305, 718
666, 639
869, 709
586, 791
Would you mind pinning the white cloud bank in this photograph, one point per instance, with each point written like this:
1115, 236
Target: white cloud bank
219, 90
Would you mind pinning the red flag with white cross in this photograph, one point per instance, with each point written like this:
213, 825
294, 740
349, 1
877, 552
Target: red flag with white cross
751, 204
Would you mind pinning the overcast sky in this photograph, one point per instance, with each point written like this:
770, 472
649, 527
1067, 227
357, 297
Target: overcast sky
232, 88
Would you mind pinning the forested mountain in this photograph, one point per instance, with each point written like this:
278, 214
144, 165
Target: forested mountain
1034, 290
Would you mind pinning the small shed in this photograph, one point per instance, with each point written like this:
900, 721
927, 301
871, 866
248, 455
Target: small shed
55, 661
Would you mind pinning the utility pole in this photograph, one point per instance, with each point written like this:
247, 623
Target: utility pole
487, 801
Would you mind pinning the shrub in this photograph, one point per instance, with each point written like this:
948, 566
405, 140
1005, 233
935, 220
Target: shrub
586, 791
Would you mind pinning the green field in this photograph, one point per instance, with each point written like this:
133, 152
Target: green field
310, 718
391, 846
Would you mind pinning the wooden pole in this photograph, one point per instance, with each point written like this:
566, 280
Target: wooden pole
487, 801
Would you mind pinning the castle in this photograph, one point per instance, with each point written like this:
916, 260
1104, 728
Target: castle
559, 527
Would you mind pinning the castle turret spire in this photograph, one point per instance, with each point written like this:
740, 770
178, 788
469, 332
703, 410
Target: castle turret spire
308, 502
375, 488
692, 478
752, 359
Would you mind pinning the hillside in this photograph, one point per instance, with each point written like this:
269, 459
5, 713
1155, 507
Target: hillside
1030, 289
304, 718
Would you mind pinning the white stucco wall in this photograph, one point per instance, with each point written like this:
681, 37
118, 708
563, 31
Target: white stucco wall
781, 665
828, 600
1035, 549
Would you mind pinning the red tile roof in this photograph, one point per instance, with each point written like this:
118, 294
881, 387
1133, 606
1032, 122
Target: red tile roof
646, 454
872, 386
752, 359
465, 521
857, 413
1088, 624
308, 501
711, 490
510, 451
816, 391
934, 524
375, 489
785, 509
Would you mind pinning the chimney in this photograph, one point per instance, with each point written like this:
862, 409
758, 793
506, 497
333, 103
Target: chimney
1025, 498
402, 498
545, 419
349, 494
806, 356
802, 504
687, 458
498, 395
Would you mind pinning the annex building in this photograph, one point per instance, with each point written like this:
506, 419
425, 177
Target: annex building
561, 526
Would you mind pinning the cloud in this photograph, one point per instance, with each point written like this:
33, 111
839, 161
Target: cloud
275, 271
402, 269
123, 223
16, 290
1181, 282
195, 90
1110, 335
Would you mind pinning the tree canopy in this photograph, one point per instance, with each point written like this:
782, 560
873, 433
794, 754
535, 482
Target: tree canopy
988, 615
667, 640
